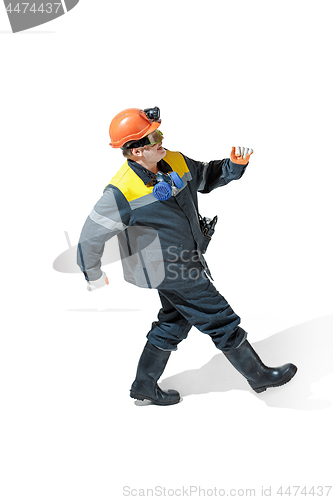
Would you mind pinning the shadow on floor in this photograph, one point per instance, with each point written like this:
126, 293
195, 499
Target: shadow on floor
309, 346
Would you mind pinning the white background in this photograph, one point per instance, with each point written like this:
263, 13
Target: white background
257, 74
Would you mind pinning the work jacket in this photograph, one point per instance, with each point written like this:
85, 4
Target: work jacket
161, 243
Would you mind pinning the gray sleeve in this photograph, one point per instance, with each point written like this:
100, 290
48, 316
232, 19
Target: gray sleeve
108, 218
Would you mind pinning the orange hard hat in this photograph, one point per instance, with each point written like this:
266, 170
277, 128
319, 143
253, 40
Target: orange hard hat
130, 125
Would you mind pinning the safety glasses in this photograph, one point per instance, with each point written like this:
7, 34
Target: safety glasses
155, 137
149, 140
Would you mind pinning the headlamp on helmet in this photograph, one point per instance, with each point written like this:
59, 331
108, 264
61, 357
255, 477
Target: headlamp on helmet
153, 113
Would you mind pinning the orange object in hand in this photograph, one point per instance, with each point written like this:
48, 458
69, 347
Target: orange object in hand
237, 156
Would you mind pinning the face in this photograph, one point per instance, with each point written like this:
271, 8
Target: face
152, 154
157, 151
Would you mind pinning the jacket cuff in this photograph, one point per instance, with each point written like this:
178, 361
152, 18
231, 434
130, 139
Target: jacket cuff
236, 166
93, 275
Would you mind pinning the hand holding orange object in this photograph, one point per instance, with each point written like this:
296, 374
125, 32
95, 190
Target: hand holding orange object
240, 156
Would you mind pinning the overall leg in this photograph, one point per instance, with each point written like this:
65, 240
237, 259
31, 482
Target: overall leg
171, 327
203, 307
164, 336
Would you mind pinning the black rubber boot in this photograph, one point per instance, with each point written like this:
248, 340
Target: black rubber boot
151, 366
259, 376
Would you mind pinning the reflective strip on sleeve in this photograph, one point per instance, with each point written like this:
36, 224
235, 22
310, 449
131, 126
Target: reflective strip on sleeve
106, 222
143, 201
204, 176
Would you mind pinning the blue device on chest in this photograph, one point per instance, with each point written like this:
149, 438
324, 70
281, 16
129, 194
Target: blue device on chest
165, 182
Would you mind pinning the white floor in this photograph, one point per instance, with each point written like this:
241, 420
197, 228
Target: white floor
70, 429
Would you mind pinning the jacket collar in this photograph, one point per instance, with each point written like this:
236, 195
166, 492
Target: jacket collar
146, 175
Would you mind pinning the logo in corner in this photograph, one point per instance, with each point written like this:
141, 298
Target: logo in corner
25, 15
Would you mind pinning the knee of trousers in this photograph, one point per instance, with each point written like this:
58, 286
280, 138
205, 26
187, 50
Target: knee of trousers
167, 335
164, 345
230, 341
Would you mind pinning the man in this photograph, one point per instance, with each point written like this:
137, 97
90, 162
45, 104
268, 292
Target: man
151, 205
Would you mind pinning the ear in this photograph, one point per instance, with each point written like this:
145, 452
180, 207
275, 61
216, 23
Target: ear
137, 152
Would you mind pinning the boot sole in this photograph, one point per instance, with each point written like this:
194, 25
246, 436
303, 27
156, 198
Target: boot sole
142, 397
263, 389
